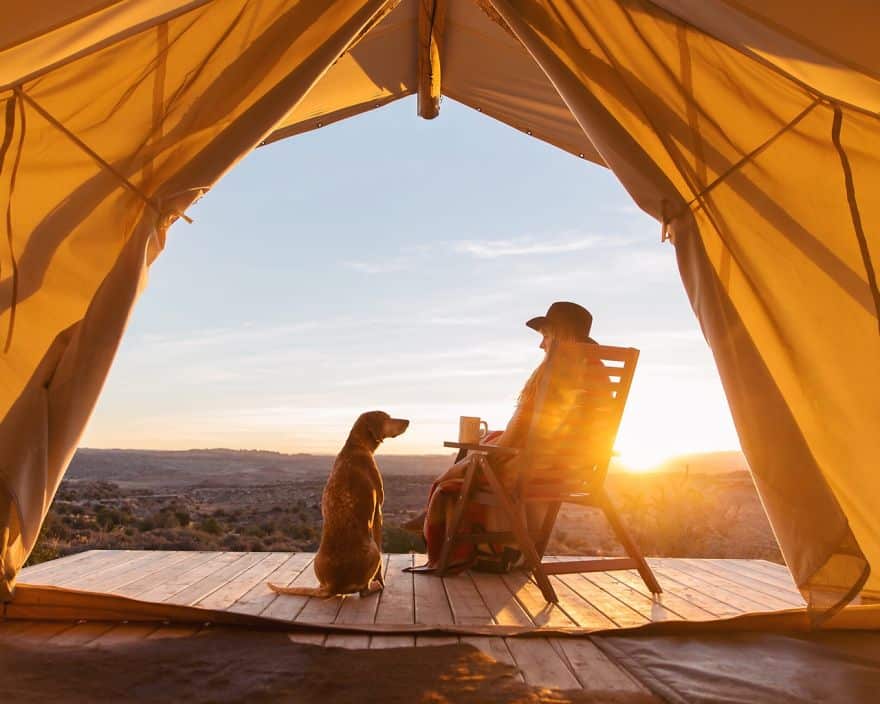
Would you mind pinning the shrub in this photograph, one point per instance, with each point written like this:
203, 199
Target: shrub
211, 526
396, 539
108, 518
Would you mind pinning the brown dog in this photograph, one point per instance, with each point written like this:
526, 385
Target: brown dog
349, 557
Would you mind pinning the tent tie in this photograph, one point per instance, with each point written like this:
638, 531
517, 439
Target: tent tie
150, 202
11, 104
699, 197
664, 221
854, 210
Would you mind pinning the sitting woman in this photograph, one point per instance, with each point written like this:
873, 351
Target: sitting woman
564, 328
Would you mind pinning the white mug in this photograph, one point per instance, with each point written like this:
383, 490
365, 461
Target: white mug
471, 429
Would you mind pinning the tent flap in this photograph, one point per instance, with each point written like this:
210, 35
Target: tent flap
171, 108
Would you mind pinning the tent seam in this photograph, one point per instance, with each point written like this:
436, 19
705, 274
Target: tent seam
12, 179
854, 211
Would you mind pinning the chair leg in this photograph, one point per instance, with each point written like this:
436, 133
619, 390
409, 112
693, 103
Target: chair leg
457, 514
521, 533
629, 545
547, 527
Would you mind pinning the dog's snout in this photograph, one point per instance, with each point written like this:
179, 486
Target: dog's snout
396, 426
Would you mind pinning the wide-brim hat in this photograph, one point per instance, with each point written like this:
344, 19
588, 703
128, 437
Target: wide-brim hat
565, 316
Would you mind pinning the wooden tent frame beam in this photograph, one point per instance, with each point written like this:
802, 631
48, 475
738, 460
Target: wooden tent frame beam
432, 20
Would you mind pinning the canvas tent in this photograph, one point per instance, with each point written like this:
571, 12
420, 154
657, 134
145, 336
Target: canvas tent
750, 130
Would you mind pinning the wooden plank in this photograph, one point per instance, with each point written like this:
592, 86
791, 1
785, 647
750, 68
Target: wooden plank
97, 560
540, 664
116, 575
431, 602
744, 580
401, 581
110, 565
781, 581
287, 606
259, 597
396, 601
595, 672
504, 607
772, 568
188, 575
540, 611
686, 589
173, 568
240, 584
580, 611
48, 566
652, 609
207, 585
614, 609
715, 587
316, 609
356, 609
680, 603
465, 602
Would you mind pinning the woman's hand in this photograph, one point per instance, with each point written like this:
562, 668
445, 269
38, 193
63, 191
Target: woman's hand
491, 438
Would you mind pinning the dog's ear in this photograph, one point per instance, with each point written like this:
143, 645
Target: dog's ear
375, 425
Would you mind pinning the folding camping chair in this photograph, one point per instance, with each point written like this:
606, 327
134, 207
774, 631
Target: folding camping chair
569, 468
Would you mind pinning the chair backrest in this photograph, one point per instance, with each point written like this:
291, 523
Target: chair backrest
596, 381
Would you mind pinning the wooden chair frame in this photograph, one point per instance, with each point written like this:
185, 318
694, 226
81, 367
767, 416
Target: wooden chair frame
583, 491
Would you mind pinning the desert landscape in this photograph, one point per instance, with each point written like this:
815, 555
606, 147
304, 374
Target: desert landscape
697, 505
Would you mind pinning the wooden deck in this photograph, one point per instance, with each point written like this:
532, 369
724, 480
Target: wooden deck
694, 589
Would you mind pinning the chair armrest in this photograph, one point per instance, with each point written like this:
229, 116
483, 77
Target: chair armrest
477, 447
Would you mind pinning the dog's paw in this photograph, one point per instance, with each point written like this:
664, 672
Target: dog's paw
375, 586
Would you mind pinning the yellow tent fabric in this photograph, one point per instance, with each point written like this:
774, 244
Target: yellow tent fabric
749, 129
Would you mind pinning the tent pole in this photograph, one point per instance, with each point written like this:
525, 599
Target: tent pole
432, 17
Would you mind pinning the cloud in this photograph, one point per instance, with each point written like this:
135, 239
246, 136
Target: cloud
525, 246
382, 266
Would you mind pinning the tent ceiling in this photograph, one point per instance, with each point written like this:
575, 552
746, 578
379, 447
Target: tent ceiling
812, 41
482, 66
50, 33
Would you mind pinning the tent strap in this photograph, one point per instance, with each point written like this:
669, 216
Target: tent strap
854, 210
94, 155
698, 198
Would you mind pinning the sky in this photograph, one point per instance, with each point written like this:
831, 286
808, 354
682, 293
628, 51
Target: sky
389, 262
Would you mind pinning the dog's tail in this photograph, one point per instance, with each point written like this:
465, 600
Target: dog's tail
300, 591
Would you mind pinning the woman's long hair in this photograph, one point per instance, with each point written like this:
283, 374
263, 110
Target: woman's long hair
557, 338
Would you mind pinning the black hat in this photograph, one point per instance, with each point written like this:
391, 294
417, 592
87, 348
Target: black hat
564, 315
